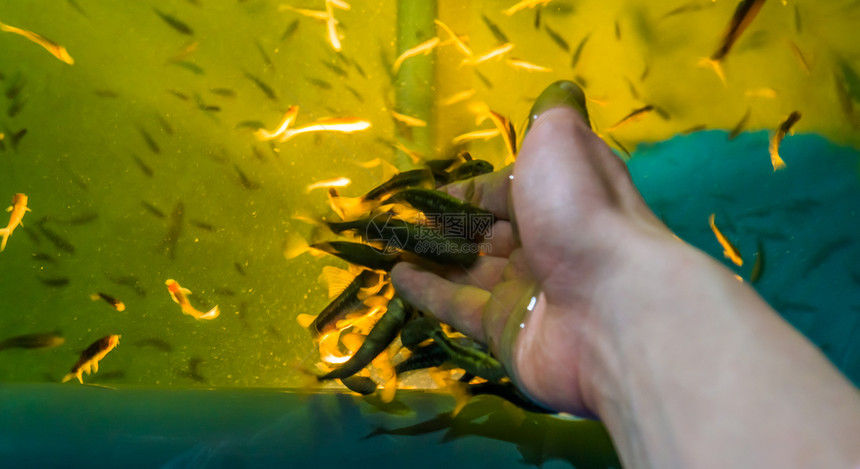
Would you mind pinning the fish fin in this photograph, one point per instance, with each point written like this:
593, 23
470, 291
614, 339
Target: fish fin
388, 170
295, 246
348, 208
68, 377
336, 279
5, 233
185, 291
9, 209
211, 314
305, 320
714, 65
95, 296
376, 302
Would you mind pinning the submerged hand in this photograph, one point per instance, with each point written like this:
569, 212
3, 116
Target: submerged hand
567, 216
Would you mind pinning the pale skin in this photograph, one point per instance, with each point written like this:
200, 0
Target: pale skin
685, 365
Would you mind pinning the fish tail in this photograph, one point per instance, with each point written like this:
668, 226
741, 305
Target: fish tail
5, 233
212, 314
73, 375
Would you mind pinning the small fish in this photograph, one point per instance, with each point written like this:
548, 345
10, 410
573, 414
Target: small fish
188, 65
634, 116
240, 268
423, 357
15, 107
89, 360
617, 30
360, 384
74, 4
798, 24
484, 134
577, 54
55, 282
355, 93
155, 343
253, 125
152, 209
378, 339
758, 264
523, 65
33, 341
15, 86
115, 303
290, 30
470, 359
130, 281
150, 142
178, 294
500, 36
246, 182
486, 81
421, 49
55, 49
174, 229
265, 88
347, 302
337, 182
223, 92
523, 4
557, 38
537, 17
729, 249
18, 209
174, 23
334, 68
106, 93
359, 254
776, 140
826, 252
432, 201
42, 257
193, 370
321, 84
147, 170
740, 126
744, 14
461, 46
798, 54
411, 178
203, 225
179, 94
266, 59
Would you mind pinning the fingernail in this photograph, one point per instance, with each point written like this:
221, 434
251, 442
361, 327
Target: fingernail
561, 93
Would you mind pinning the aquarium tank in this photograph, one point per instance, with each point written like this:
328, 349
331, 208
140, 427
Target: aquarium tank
171, 165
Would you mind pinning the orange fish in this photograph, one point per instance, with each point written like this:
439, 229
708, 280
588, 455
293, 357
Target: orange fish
55, 49
18, 209
89, 360
178, 294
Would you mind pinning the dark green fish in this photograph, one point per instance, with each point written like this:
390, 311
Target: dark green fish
55, 281
223, 92
411, 178
246, 182
15, 86
486, 81
345, 303
203, 225
58, 241
193, 370
510, 393
174, 229
432, 201
360, 384
147, 170
150, 142
16, 106
130, 281
355, 93
744, 14
266, 59
470, 359
31, 341
174, 23
266, 89
290, 30
156, 343
577, 54
334, 68
82, 219
152, 209
427, 356
378, 339
42, 257
321, 84
15, 138
424, 241
557, 38
471, 169
360, 254
501, 37
740, 126
415, 332
253, 125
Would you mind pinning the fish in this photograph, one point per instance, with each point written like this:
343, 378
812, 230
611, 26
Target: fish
334, 68
457, 97
240, 268
360, 384
489, 55
758, 264
523, 4
33, 341
538, 10
355, 93
290, 30
152, 209
744, 14
150, 142
42, 257
130, 281
336, 182
203, 225
15, 107
695, 5
55, 49
427, 356
115, 303
74, 4
265, 88
776, 140
557, 38
345, 303
359, 254
377, 340
321, 84
798, 54
421, 49
246, 182
729, 249
265, 56
500, 36
577, 54
416, 332
634, 116
508, 392
155, 343
825, 252
179, 94
15, 86
174, 229
470, 169
188, 65
223, 92
331, 124
523, 65
411, 178
408, 120
179, 26
18, 209
432, 201
486, 81
178, 294
423, 241
193, 370
470, 359
740, 126
461, 46
145, 168
90, 357
16, 137
55, 282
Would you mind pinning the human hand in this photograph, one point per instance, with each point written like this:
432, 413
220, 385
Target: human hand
568, 217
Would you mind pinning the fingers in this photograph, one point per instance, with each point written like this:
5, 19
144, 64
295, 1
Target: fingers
487, 191
458, 305
484, 274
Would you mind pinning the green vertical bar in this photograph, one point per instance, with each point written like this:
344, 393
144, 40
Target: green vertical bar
414, 82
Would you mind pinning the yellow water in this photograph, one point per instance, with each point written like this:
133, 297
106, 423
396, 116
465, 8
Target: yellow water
76, 157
